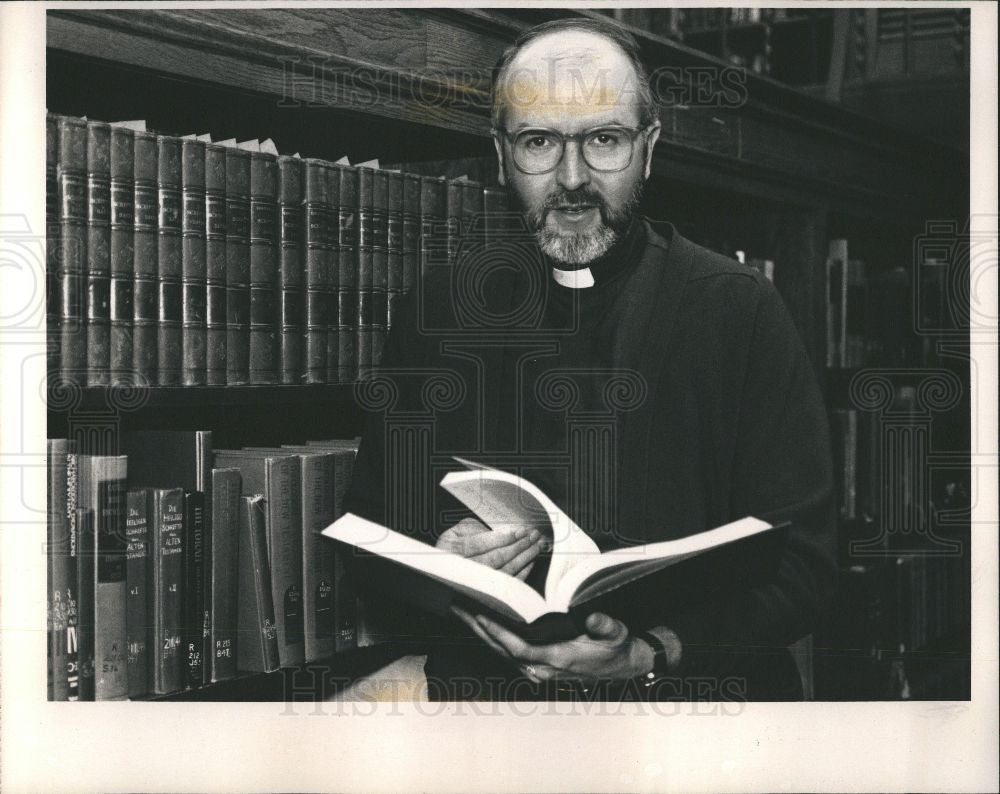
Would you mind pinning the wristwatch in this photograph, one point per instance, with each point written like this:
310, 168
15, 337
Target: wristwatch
661, 664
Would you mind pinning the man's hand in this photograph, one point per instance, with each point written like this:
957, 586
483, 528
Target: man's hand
606, 651
511, 550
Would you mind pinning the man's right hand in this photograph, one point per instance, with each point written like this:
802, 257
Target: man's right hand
511, 550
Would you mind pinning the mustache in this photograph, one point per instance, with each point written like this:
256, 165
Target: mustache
582, 195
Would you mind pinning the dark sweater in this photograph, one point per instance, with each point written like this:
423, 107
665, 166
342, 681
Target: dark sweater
709, 412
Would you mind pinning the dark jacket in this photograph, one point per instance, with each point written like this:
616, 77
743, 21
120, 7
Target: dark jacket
727, 422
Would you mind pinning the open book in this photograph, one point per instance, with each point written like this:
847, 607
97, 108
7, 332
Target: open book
578, 571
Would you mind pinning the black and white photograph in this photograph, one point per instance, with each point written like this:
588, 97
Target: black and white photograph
619, 375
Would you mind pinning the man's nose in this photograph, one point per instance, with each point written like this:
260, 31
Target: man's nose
573, 171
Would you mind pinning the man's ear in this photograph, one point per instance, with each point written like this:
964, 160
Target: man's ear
651, 138
501, 176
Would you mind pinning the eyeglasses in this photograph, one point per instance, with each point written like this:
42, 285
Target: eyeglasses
538, 150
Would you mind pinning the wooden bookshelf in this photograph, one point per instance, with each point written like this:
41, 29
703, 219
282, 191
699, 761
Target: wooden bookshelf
776, 172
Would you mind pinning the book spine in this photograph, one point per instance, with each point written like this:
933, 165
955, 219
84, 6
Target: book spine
106, 500
215, 265
223, 561
193, 265
432, 220
61, 560
368, 225
317, 555
453, 213
72, 247
317, 267
84, 523
333, 179
138, 613
169, 345
167, 563
836, 299
345, 601
237, 267
494, 208
195, 614
264, 285
98, 276
284, 533
394, 248
257, 642
380, 268
472, 207
290, 196
145, 287
122, 252
411, 232
53, 286
347, 275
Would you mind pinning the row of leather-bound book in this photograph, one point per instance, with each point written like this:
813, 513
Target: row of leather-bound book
178, 261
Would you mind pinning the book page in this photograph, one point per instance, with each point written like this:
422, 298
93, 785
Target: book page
592, 577
499, 591
504, 500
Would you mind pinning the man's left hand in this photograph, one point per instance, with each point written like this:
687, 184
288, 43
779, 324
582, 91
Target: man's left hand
605, 651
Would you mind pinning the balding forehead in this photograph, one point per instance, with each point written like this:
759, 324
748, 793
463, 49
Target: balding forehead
569, 73
571, 50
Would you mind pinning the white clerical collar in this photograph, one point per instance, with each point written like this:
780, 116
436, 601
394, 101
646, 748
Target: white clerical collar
573, 279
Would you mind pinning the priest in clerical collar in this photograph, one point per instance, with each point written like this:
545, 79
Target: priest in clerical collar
652, 388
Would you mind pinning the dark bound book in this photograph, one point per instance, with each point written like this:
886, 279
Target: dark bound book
345, 599
411, 231
72, 248
166, 545
278, 479
394, 246
215, 265
197, 611
102, 492
257, 637
122, 251
433, 206
347, 275
83, 521
496, 214
193, 264
472, 206
169, 345
453, 212
316, 270
237, 267
61, 558
53, 287
145, 270
333, 179
222, 563
98, 253
264, 285
369, 226
290, 308
317, 468
380, 270
138, 604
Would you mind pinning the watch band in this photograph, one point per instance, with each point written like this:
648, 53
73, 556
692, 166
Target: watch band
660, 662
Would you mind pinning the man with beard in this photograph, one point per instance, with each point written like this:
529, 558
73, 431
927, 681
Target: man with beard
650, 387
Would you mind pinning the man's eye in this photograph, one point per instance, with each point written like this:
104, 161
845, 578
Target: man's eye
606, 138
538, 142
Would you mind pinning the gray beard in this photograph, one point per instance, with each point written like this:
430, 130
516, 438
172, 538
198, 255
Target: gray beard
576, 250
